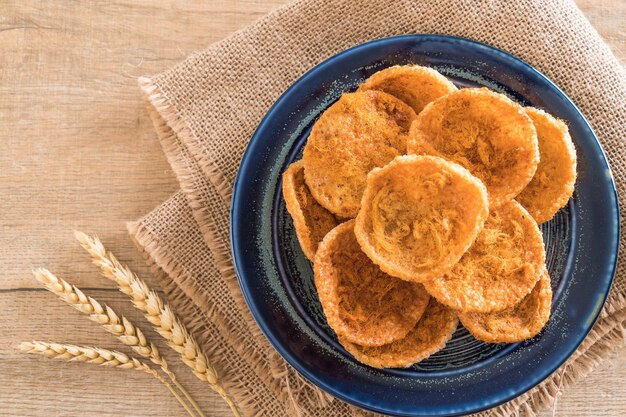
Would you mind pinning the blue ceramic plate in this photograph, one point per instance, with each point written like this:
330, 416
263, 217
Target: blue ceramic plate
468, 375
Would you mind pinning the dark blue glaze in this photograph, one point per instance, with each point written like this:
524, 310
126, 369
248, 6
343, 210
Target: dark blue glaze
468, 376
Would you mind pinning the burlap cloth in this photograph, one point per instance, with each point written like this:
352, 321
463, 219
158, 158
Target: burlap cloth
206, 108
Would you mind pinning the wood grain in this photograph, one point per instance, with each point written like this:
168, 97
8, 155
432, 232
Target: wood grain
36, 386
78, 152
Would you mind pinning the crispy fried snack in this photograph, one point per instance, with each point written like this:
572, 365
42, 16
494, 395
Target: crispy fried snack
416, 86
419, 215
553, 183
361, 131
362, 304
517, 323
430, 335
311, 221
486, 133
500, 268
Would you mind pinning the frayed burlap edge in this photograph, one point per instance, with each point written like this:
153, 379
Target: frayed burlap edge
162, 267
604, 339
292, 389
606, 336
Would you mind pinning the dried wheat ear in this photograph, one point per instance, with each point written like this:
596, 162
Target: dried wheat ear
97, 356
120, 326
158, 313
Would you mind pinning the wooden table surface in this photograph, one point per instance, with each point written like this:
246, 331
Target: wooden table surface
78, 152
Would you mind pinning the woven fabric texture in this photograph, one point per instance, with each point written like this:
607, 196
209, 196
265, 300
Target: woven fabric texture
206, 108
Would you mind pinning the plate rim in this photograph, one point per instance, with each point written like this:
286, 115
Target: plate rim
237, 193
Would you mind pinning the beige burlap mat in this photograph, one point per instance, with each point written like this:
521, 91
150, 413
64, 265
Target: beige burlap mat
206, 108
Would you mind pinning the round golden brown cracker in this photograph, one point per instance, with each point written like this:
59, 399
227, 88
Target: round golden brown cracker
553, 183
361, 131
485, 132
500, 268
416, 86
311, 221
517, 323
419, 215
362, 304
430, 335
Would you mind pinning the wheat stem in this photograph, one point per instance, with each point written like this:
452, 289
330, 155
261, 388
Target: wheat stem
182, 402
98, 356
157, 312
120, 326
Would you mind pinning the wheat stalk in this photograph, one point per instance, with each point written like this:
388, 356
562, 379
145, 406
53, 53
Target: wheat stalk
98, 356
120, 326
157, 312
